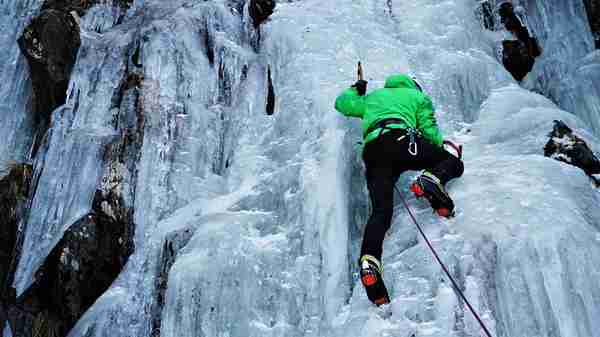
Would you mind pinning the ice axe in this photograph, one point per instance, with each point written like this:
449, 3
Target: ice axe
361, 84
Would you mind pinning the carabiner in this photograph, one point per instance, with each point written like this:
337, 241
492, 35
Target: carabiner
412, 146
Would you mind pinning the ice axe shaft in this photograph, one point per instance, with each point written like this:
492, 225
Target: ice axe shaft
360, 72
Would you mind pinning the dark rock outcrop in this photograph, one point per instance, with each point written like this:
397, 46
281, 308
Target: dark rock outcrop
517, 58
50, 43
209, 45
270, 94
567, 147
93, 251
593, 11
77, 271
518, 55
260, 10
14, 191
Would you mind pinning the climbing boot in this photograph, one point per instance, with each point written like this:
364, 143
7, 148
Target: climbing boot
429, 186
371, 272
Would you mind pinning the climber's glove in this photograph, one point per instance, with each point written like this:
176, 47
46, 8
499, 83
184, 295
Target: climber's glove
361, 87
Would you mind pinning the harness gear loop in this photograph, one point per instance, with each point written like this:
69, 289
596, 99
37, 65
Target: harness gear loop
383, 125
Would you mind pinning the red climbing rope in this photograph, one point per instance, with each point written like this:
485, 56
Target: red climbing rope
435, 254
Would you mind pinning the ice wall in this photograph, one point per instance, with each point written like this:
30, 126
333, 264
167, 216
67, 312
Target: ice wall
562, 72
566, 42
15, 89
249, 224
581, 97
70, 166
201, 82
464, 75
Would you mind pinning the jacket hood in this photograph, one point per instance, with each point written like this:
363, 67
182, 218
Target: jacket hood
400, 81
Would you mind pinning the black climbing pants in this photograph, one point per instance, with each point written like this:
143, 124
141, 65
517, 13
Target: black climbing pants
386, 158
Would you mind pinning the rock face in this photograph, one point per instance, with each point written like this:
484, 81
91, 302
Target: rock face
50, 43
92, 252
567, 147
14, 189
593, 11
517, 58
518, 55
78, 270
260, 10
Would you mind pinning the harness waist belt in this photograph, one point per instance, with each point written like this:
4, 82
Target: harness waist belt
383, 124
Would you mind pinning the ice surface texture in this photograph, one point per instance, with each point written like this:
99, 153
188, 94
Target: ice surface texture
565, 71
249, 224
15, 90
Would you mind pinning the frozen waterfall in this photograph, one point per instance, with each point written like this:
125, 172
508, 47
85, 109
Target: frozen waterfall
249, 224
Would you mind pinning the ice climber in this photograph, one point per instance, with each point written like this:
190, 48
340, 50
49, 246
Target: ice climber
400, 133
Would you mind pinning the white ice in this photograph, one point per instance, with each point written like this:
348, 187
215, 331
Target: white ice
274, 206
15, 88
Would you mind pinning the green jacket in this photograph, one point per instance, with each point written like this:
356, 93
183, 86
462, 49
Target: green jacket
399, 99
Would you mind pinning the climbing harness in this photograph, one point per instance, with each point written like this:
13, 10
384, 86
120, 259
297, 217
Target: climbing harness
444, 268
384, 125
412, 133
